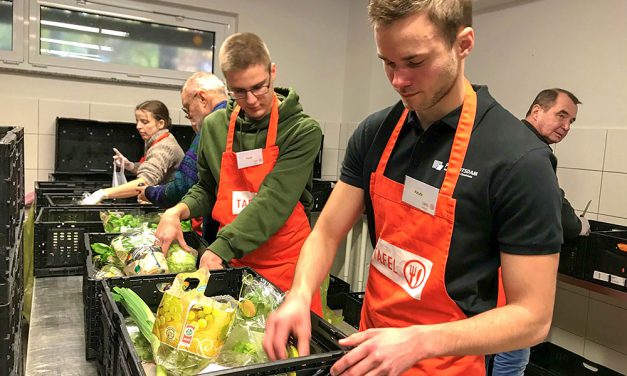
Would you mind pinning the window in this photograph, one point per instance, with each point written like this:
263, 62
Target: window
119, 40
11, 26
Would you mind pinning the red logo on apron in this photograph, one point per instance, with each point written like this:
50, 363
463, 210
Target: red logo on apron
414, 271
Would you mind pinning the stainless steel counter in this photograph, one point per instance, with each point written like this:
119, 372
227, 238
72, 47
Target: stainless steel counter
56, 342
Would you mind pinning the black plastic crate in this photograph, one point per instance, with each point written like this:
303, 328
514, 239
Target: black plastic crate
336, 291
11, 181
86, 146
607, 261
11, 354
323, 340
73, 188
91, 291
574, 254
352, 308
74, 199
548, 359
100, 178
11, 271
59, 245
321, 191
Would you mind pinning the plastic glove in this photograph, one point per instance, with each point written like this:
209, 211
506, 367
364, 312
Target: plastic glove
585, 226
95, 198
120, 160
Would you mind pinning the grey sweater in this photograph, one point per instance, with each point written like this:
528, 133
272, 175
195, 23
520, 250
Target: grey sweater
162, 159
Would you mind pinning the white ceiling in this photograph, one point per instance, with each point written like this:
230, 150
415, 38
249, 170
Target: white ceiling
483, 6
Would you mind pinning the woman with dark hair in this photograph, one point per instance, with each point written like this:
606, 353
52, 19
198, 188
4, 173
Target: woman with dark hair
162, 154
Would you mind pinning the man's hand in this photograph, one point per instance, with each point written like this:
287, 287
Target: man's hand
388, 351
211, 261
585, 226
169, 229
292, 317
95, 198
120, 160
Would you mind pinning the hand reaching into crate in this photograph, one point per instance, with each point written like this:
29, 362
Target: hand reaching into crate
95, 198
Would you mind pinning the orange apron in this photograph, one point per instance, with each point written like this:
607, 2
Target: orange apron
406, 285
276, 259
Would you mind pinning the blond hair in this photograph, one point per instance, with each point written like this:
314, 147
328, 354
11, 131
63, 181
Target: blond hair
242, 50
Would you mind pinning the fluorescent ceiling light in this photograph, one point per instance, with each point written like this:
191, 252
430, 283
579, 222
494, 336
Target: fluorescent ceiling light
76, 55
64, 25
114, 32
70, 43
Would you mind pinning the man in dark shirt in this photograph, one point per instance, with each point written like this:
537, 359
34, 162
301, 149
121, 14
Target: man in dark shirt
453, 188
550, 117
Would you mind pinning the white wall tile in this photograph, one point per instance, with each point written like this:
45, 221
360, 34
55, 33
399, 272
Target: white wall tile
46, 152
610, 219
572, 288
331, 135
566, 340
346, 131
570, 312
340, 160
580, 186
606, 325
30, 177
616, 151
607, 357
50, 109
21, 112
44, 175
329, 177
329, 161
181, 117
614, 195
609, 300
112, 112
570, 154
30, 151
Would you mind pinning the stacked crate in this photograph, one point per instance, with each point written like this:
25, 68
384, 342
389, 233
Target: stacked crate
11, 249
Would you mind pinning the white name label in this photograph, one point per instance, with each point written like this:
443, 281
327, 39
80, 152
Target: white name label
601, 276
409, 271
249, 158
241, 199
420, 195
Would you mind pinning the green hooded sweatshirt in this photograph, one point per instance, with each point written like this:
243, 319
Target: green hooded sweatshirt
290, 181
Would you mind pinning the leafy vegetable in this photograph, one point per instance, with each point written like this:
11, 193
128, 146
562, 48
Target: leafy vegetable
180, 261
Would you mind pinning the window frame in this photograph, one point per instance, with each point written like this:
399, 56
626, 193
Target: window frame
222, 24
16, 55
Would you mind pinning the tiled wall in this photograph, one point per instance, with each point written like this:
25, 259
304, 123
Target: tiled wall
336, 137
37, 116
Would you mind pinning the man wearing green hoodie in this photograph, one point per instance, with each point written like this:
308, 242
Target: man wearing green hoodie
255, 163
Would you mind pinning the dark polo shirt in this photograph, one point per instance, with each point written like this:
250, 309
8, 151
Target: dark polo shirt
507, 194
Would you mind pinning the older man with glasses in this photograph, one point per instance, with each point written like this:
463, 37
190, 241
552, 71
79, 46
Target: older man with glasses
202, 94
255, 165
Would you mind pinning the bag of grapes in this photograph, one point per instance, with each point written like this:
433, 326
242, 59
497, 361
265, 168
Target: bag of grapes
190, 326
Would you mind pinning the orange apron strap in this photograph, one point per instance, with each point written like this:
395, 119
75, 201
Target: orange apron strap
462, 137
272, 125
391, 142
143, 158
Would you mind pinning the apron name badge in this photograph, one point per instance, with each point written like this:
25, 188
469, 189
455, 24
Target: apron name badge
420, 195
406, 269
241, 199
249, 158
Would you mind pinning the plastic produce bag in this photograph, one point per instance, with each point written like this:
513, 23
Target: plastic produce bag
136, 250
191, 327
118, 175
244, 344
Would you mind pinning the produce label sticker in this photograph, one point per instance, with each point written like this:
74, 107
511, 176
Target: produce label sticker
188, 334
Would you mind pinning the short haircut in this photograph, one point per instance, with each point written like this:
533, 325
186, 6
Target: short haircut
204, 81
449, 16
158, 109
242, 50
547, 97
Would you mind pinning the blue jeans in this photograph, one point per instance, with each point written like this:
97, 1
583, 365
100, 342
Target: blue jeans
511, 363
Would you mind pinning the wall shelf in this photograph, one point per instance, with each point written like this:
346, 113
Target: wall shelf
617, 294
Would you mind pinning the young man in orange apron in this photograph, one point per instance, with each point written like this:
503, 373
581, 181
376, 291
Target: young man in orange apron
453, 188
255, 163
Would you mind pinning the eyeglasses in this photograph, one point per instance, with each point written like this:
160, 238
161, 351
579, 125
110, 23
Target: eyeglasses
185, 108
257, 91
